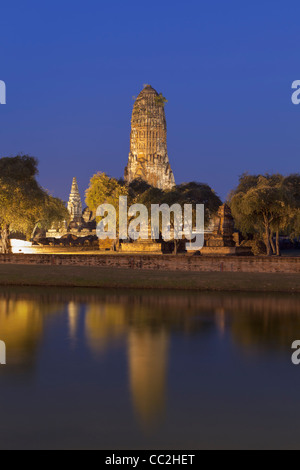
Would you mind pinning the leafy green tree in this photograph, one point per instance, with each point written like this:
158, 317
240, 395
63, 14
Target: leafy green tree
23, 202
262, 205
53, 212
292, 185
193, 193
295, 226
104, 190
187, 193
136, 189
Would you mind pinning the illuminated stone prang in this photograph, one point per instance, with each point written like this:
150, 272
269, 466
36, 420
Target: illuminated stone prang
148, 158
75, 204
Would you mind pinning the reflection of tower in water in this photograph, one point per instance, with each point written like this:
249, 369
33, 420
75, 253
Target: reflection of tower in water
107, 325
220, 320
73, 317
148, 360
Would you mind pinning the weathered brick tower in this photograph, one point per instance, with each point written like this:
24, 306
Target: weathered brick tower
148, 157
74, 204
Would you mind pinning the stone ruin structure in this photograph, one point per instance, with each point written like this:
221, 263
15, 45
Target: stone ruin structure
74, 204
222, 235
81, 229
221, 240
148, 158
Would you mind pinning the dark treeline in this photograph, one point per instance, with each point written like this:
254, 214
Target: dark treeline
267, 206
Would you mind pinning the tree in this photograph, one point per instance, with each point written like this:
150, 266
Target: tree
137, 188
262, 204
53, 211
295, 228
292, 185
187, 193
23, 202
105, 190
193, 193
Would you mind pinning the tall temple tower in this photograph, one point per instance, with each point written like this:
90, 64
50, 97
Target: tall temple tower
74, 204
148, 157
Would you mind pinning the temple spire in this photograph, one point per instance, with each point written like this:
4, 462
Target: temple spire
74, 204
148, 158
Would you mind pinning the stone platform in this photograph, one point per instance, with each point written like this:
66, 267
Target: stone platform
144, 246
226, 251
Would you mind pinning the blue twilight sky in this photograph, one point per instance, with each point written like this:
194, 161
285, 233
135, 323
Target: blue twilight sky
226, 67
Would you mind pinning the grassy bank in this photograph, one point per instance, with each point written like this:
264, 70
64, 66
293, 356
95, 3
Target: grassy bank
83, 276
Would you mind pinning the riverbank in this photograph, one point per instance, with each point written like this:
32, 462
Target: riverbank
99, 277
152, 262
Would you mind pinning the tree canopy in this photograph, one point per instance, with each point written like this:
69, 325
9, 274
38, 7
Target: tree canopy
186, 193
104, 189
23, 202
265, 205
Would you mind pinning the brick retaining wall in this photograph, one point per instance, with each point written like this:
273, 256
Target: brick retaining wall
163, 262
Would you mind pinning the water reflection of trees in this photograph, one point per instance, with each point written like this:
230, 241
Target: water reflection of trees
147, 321
264, 320
21, 328
266, 331
144, 322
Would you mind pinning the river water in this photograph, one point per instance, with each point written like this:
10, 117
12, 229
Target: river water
92, 369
